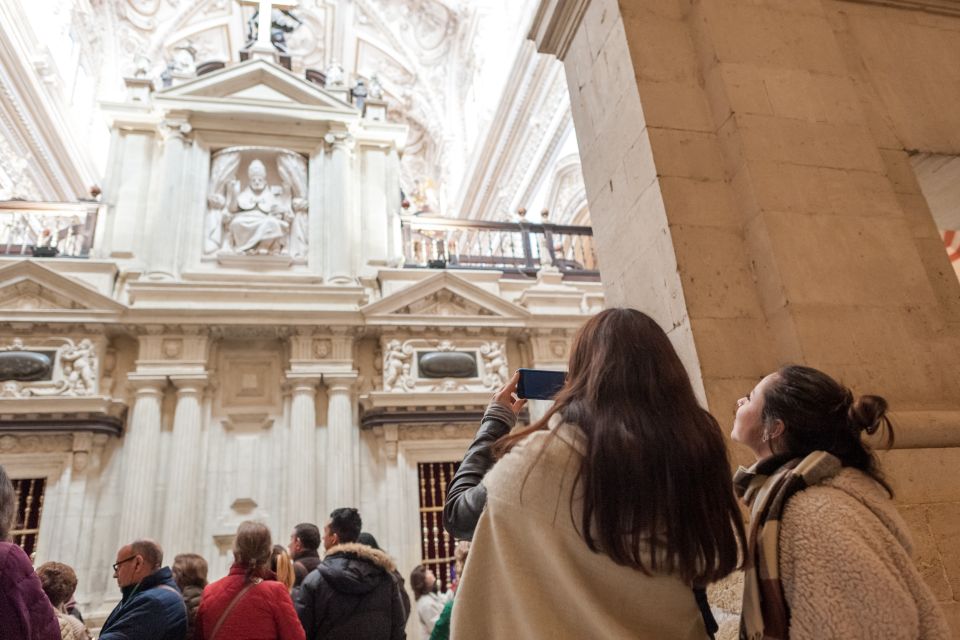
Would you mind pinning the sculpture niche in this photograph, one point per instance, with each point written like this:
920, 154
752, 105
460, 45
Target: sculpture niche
253, 217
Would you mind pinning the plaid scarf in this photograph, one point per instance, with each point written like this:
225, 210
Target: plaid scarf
765, 488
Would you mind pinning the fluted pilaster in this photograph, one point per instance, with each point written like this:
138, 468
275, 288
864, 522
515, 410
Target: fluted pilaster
140, 459
181, 514
341, 491
302, 465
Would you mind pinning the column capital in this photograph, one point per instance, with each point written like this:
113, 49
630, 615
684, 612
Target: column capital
145, 385
190, 382
302, 382
340, 381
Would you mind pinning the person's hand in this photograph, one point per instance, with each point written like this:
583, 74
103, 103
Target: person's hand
507, 395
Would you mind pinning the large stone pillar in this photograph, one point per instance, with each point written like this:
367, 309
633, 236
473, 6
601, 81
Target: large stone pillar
181, 514
744, 192
341, 485
301, 464
141, 446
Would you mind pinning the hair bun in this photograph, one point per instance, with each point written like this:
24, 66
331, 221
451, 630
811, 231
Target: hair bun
867, 413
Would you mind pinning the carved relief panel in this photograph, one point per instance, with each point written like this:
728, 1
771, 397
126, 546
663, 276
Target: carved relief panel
443, 365
256, 204
50, 367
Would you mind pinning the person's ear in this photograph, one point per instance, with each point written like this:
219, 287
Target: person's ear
777, 429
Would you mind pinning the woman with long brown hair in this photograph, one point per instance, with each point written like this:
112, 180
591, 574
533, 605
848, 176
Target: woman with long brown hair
249, 604
598, 519
834, 552
190, 574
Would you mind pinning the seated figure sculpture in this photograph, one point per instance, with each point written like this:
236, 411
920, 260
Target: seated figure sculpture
259, 220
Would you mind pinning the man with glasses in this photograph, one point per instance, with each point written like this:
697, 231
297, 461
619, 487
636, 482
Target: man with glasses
152, 607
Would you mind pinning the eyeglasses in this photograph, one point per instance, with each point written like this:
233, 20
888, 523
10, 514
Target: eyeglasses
116, 565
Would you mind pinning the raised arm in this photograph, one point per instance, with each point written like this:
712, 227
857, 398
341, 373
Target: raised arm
466, 495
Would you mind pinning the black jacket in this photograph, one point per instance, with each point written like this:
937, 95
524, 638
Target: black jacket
466, 495
305, 562
351, 595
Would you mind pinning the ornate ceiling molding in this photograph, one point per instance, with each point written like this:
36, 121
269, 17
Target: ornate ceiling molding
33, 123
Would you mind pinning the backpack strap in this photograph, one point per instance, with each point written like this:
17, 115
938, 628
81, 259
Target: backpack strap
233, 603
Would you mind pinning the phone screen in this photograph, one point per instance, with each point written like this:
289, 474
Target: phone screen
536, 384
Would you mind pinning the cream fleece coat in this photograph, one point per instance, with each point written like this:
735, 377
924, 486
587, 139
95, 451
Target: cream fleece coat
846, 568
530, 575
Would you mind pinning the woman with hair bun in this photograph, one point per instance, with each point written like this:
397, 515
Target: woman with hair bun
829, 554
249, 604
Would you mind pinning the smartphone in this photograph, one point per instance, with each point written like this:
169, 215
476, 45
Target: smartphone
536, 384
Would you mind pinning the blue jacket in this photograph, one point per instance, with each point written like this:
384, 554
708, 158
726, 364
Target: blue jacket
150, 610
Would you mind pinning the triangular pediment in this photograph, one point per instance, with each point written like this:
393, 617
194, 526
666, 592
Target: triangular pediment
443, 297
256, 82
28, 287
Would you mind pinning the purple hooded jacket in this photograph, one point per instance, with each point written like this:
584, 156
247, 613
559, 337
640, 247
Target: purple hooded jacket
25, 611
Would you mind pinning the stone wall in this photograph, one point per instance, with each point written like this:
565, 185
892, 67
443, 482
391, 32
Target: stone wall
747, 168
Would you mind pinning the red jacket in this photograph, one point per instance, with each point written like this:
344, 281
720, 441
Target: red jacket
264, 613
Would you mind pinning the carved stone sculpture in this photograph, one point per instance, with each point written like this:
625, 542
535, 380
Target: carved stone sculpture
254, 217
77, 375
334, 75
79, 368
496, 372
258, 220
396, 366
376, 88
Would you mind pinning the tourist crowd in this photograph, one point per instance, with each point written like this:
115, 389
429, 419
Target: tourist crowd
607, 518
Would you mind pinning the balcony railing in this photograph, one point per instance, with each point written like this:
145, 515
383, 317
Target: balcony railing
47, 229
511, 247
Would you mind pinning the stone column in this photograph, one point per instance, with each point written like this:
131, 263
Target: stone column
341, 489
747, 191
338, 209
127, 192
301, 463
181, 514
165, 215
140, 458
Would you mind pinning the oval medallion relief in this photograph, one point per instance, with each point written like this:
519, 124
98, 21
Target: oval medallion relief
24, 366
447, 364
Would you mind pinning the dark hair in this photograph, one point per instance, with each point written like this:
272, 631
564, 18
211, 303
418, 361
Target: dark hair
656, 483
189, 570
58, 580
252, 546
820, 414
346, 523
368, 539
308, 534
8, 505
149, 550
418, 582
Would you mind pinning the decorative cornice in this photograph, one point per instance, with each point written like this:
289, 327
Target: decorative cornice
941, 7
555, 24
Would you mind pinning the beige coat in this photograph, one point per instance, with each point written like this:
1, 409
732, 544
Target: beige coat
530, 575
846, 568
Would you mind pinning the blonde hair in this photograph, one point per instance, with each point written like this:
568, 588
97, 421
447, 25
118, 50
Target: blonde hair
282, 565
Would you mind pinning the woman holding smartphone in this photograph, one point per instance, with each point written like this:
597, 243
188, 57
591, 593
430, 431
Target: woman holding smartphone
597, 520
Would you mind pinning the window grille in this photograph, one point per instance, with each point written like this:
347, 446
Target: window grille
26, 526
435, 543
